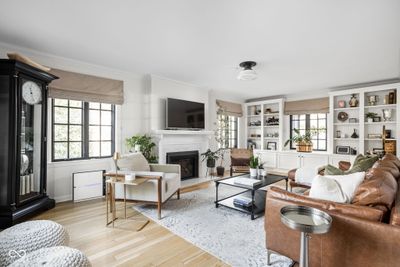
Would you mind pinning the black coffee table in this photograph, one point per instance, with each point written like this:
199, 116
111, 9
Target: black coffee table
257, 196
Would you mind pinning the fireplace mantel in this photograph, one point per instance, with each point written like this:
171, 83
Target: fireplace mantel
182, 132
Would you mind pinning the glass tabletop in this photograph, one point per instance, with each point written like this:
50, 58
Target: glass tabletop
260, 181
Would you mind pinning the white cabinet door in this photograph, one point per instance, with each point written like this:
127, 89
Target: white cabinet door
313, 160
268, 158
288, 161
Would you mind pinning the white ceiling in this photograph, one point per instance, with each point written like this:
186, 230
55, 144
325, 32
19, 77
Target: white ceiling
299, 45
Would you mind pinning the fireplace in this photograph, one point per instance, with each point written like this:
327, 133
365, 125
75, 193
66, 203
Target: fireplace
189, 161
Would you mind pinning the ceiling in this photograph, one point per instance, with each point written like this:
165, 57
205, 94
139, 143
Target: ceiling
298, 45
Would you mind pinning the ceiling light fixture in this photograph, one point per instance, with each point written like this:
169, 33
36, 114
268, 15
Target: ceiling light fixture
247, 74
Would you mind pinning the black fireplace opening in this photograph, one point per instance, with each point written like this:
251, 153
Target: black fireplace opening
189, 161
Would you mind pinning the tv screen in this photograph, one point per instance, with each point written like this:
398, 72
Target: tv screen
182, 114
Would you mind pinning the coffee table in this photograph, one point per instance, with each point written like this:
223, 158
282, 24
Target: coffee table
256, 193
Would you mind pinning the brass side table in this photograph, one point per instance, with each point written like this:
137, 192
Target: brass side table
110, 198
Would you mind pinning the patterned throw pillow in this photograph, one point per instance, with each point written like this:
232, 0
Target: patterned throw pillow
361, 164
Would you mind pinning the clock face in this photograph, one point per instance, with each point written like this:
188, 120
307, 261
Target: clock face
31, 93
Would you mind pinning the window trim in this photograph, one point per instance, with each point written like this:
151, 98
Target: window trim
85, 133
307, 120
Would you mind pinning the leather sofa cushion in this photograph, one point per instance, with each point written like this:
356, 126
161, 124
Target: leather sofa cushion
240, 161
392, 158
395, 215
366, 213
388, 165
378, 189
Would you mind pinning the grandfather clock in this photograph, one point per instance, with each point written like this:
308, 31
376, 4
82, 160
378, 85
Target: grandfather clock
23, 138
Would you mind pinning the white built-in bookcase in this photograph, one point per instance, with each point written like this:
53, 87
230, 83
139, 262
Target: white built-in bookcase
261, 127
363, 128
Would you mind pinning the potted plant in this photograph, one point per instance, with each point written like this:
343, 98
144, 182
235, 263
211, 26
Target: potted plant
261, 170
253, 166
370, 116
221, 168
303, 141
220, 132
143, 144
210, 157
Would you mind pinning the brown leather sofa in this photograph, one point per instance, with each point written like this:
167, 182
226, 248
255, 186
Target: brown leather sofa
365, 232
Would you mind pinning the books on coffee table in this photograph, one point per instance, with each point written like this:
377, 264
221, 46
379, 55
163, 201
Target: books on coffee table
247, 181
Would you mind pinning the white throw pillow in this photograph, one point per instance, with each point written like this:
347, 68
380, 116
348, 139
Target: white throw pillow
326, 189
337, 188
133, 162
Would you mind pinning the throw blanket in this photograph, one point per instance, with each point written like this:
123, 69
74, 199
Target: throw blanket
305, 175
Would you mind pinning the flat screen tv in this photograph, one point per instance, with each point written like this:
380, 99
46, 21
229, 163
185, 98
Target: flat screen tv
182, 114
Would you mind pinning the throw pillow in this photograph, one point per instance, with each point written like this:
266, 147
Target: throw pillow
338, 188
133, 162
240, 161
361, 164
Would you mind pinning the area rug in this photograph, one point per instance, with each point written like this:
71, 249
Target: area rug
228, 234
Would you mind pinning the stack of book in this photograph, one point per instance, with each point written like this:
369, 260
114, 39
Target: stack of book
247, 181
243, 202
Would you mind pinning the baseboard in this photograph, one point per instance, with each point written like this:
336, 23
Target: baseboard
63, 198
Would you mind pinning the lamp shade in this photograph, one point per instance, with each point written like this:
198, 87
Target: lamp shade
116, 156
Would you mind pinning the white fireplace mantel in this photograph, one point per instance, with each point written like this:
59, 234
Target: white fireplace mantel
182, 132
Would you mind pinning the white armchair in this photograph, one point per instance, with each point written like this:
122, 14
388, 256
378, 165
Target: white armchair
156, 191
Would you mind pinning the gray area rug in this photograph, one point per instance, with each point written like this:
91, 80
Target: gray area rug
225, 233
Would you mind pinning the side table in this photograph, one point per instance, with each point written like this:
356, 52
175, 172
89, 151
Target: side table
110, 198
307, 220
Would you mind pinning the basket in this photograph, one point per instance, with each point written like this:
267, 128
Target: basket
304, 147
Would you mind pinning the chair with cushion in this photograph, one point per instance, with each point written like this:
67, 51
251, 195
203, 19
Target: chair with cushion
240, 159
156, 191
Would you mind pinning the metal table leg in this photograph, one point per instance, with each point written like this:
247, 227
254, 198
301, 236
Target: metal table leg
252, 204
304, 249
216, 195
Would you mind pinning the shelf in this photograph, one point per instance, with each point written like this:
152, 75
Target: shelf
271, 114
346, 123
378, 139
381, 122
254, 115
341, 109
382, 106
345, 139
272, 138
254, 127
254, 138
271, 126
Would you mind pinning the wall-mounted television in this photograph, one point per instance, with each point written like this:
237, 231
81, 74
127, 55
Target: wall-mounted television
182, 114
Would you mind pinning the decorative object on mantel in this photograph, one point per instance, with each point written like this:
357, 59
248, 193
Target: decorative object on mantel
343, 116
370, 116
353, 101
303, 141
144, 144
26, 60
387, 114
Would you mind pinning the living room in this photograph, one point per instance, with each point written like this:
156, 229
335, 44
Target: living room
202, 133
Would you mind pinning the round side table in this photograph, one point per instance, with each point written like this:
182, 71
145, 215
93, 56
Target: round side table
307, 220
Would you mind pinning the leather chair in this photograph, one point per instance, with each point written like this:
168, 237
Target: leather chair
240, 159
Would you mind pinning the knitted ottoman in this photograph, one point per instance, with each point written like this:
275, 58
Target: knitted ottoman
26, 237
54, 256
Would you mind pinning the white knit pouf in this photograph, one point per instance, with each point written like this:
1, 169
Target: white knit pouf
26, 237
54, 256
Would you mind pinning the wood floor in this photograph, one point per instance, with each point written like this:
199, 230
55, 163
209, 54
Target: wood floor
122, 245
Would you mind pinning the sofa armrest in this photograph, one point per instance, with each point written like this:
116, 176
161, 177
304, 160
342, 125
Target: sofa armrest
167, 168
362, 212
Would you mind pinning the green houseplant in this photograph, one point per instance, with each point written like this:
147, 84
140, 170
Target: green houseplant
144, 144
303, 141
210, 157
220, 133
370, 116
253, 164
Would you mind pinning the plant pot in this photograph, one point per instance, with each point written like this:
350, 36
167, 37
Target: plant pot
220, 171
210, 163
253, 172
370, 120
262, 172
304, 147
137, 148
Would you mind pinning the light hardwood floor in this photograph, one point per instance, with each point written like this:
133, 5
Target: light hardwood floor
122, 245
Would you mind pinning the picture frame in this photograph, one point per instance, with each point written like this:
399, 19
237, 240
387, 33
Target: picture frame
376, 119
271, 145
343, 150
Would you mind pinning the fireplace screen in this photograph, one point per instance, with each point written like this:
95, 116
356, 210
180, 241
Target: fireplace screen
189, 161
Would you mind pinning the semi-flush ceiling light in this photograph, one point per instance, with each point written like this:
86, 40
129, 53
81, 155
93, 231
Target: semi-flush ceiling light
247, 74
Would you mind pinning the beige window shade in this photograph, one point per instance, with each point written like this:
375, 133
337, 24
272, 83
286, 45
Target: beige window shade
77, 86
319, 105
230, 109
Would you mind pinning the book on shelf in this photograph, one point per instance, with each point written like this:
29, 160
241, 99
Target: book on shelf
242, 200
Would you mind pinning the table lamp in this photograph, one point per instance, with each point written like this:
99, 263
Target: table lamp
116, 157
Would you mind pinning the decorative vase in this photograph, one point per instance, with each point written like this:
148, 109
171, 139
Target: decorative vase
353, 101
210, 163
354, 135
220, 171
253, 172
387, 114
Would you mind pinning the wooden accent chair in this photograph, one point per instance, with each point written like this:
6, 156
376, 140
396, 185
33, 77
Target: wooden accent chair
240, 159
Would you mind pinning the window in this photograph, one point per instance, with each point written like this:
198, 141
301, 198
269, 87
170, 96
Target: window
227, 132
306, 122
82, 130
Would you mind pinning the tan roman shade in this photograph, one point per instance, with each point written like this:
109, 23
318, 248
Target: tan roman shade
77, 86
230, 109
318, 105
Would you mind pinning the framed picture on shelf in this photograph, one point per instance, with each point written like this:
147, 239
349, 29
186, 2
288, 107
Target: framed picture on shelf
271, 145
342, 149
